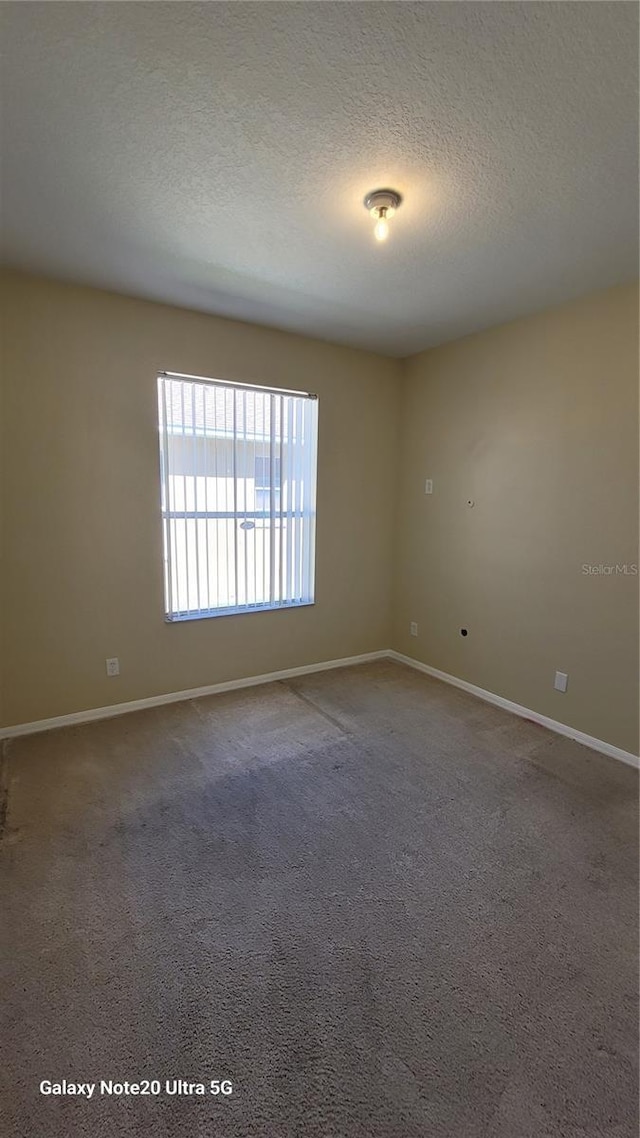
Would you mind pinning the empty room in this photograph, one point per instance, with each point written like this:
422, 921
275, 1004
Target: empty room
319, 678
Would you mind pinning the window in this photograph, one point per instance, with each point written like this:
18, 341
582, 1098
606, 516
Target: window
263, 480
238, 474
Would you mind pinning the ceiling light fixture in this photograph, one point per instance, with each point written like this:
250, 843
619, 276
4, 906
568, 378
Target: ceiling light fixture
382, 204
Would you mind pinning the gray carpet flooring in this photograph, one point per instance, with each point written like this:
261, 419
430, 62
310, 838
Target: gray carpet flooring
376, 905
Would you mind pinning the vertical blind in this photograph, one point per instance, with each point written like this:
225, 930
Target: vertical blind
238, 473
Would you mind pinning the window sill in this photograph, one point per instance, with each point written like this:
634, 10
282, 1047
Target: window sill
180, 618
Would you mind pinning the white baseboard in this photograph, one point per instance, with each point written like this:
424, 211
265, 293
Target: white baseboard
115, 709
523, 712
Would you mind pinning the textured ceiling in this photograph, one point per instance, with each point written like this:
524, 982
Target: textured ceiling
216, 156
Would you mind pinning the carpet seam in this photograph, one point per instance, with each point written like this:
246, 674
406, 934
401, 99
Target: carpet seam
316, 707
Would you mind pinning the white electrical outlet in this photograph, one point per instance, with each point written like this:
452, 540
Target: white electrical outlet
428, 486
113, 666
413, 628
561, 681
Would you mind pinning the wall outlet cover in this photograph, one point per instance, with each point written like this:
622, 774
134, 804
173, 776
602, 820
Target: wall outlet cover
561, 681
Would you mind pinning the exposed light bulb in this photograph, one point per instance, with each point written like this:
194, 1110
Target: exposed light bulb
382, 205
382, 228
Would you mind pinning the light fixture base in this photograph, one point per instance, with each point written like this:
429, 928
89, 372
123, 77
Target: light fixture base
382, 200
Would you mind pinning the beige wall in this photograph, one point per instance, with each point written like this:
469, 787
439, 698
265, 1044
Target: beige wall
82, 573
537, 423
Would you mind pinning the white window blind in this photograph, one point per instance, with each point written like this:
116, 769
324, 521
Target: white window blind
238, 473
